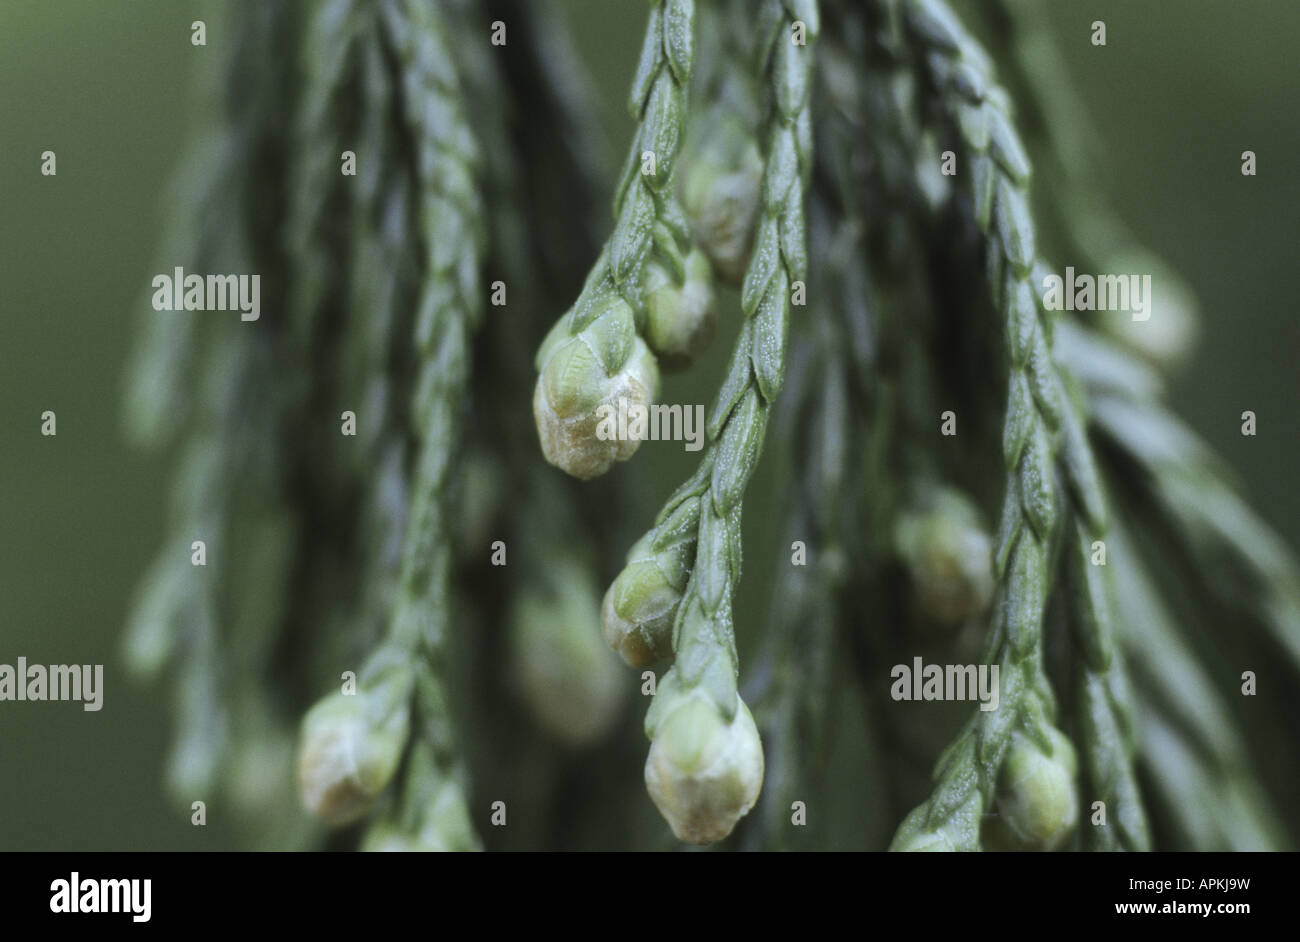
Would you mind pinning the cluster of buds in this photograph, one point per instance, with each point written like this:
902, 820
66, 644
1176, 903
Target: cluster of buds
705, 766
705, 770
352, 743
618, 351
608, 364
1037, 800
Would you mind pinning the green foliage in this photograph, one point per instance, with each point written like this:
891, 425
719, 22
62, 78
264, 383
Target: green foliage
788, 149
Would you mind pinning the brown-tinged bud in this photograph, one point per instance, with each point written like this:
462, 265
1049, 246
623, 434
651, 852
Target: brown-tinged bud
703, 773
350, 747
641, 604
583, 383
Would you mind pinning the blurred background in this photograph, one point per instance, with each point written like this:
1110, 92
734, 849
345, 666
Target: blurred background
1175, 96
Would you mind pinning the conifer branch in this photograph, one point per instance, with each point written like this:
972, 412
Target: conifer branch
997, 171
707, 509
401, 689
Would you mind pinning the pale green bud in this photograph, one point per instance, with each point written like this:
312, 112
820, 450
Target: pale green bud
948, 556
556, 337
681, 319
569, 678
573, 380
575, 392
703, 773
641, 604
720, 193
1037, 799
350, 747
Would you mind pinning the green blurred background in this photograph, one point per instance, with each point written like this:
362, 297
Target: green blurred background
1176, 95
